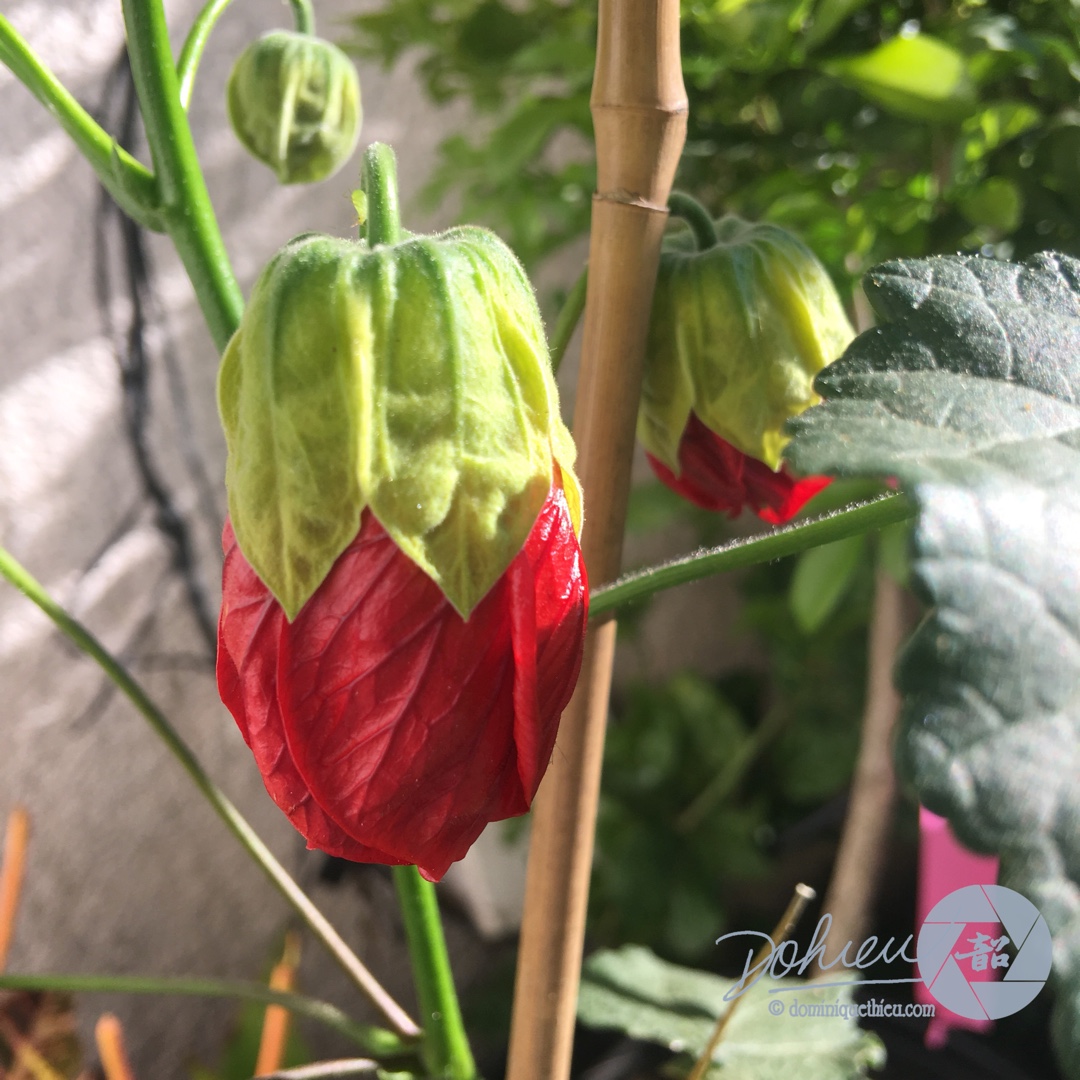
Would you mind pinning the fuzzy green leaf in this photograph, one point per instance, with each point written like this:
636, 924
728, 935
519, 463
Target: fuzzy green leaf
969, 392
458, 457
290, 402
635, 992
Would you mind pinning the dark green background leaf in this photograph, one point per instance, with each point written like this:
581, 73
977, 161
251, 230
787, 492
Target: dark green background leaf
969, 393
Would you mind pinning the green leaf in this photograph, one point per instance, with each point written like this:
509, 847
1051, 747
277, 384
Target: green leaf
635, 992
821, 580
996, 202
918, 77
968, 391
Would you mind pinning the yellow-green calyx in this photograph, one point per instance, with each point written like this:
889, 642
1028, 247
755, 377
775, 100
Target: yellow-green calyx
294, 102
409, 377
738, 332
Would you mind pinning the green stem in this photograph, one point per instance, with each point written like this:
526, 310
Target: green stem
279, 877
790, 540
697, 217
446, 1046
378, 178
734, 770
195, 45
303, 16
185, 203
128, 181
568, 318
374, 1040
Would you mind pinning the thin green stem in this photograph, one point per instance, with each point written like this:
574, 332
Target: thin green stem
194, 46
790, 540
128, 181
303, 16
378, 178
446, 1046
185, 203
373, 1040
568, 318
697, 217
725, 782
279, 877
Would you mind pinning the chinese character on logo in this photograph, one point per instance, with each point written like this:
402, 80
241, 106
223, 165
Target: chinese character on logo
985, 947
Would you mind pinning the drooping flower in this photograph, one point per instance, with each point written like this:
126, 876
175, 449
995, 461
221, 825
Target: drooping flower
744, 316
404, 596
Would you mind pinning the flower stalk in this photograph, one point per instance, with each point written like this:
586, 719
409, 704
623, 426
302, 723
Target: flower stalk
186, 210
446, 1046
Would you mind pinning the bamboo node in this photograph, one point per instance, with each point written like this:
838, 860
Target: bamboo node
630, 198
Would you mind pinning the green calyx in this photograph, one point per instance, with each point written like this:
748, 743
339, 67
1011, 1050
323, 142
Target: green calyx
294, 102
739, 329
409, 377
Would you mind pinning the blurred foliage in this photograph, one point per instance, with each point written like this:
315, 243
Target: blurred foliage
873, 130
39, 1036
701, 777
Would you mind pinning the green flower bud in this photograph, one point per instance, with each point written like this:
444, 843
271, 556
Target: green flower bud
737, 334
294, 102
411, 377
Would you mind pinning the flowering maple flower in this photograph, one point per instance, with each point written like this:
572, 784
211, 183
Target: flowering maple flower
743, 318
386, 727
404, 600
716, 476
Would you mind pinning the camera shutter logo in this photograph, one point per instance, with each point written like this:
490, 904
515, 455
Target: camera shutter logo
951, 952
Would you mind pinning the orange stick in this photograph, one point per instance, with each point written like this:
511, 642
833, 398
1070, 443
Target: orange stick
109, 1036
12, 871
275, 1030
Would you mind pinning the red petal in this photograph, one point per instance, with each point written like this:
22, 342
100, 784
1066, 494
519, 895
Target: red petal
410, 727
248, 630
716, 476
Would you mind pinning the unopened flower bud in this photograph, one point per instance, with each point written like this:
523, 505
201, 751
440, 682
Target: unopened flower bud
294, 102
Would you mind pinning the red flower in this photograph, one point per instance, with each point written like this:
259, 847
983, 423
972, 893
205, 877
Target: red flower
386, 727
716, 476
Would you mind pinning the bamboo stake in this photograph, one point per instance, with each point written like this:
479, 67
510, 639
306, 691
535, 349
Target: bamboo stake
784, 928
639, 113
